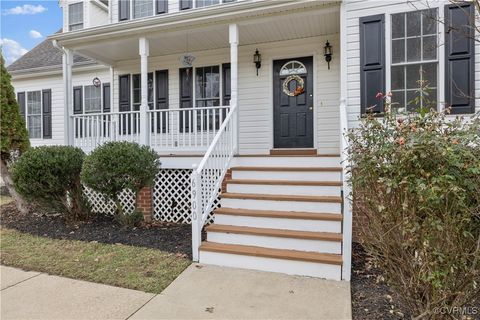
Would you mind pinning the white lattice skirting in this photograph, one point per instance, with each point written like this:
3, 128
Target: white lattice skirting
100, 204
171, 196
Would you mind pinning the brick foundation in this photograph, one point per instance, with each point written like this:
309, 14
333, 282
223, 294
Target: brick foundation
145, 204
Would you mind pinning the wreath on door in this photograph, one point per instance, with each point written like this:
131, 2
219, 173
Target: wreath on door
298, 90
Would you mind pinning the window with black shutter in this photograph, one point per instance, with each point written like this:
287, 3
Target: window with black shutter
47, 113
106, 97
123, 10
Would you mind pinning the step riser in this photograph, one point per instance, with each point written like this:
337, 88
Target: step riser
284, 189
319, 246
287, 175
292, 267
279, 223
250, 204
287, 161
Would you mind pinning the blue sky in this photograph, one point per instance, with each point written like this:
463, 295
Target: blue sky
24, 24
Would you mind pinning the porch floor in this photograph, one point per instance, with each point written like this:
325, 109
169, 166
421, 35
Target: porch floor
212, 292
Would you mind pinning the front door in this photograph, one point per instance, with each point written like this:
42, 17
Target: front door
293, 103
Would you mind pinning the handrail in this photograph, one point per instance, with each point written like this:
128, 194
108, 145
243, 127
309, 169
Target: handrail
208, 176
346, 192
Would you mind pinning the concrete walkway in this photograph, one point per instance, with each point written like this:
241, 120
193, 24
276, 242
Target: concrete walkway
200, 292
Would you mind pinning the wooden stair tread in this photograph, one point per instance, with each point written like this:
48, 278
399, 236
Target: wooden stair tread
327, 258
309, 151
252, 196
279, 214
286, 182
281, 233
295, 169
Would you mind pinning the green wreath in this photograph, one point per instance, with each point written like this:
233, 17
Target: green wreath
298, 90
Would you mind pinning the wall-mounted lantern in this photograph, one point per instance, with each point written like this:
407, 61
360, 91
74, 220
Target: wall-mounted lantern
257, 59
328, 53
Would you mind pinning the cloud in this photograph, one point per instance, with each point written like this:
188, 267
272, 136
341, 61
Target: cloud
25, 9
35, 34
12, 50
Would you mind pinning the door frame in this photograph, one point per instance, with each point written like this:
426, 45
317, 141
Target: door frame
314, 55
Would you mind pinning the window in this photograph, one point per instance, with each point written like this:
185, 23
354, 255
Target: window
293, 67
137, 91
142, 8
34, 114
205, 3
414, 59
93, 99
207, 87
75, 16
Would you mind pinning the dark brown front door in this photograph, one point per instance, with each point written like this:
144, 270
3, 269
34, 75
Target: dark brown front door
293, 103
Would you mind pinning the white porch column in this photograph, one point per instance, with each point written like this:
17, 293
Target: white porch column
233, 39
144, 52
68, 91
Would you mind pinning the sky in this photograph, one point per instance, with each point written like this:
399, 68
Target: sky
24, 24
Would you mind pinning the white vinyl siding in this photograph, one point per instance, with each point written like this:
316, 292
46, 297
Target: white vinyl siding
34, 114
75, 16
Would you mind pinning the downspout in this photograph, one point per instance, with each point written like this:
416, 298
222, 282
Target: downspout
67, 62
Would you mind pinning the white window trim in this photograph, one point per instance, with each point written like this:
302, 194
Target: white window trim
220, 87
440, 52
83, 18
27, 114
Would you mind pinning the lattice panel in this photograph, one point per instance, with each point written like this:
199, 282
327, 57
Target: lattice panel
100, 204
171, 196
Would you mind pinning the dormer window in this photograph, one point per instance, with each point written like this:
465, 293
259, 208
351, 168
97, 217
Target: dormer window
75, 16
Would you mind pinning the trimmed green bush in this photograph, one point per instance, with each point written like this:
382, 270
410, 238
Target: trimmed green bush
51, 175
417, 180
116, 166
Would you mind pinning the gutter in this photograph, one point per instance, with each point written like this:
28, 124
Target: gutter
177, 20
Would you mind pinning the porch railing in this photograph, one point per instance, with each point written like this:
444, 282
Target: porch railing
189, 129
93, 129
346, 192
207, 177
185, 129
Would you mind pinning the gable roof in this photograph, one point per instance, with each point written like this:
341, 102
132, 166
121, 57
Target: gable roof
44, 56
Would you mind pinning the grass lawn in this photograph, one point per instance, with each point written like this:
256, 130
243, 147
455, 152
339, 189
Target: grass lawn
4, 200
125, 266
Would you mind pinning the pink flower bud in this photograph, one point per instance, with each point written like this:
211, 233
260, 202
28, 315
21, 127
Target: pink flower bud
379, 95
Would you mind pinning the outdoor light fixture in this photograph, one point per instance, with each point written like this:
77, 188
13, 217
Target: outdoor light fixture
257, 59
328, 53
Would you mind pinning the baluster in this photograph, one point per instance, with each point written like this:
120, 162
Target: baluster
207, 129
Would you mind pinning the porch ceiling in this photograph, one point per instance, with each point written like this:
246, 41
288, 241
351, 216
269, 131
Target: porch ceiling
266, 29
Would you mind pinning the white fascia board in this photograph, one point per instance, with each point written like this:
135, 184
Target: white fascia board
52, 70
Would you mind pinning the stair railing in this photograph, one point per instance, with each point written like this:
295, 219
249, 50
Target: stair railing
207, 177
346, 192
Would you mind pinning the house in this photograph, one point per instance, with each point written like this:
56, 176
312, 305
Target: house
251, 97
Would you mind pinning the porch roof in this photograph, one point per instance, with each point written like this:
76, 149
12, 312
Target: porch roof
258, 21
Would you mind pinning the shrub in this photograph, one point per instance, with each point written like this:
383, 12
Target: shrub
418, 179
116, 166
51, 175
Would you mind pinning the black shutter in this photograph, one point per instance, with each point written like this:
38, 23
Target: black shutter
227, 81
372, 63
161, 89
123, 10
460, 57
77, 100
106, 97
186, 4
21, 103
47, 113
186, 96
161, 6
124, 92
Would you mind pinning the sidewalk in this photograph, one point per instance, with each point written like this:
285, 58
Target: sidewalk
200, 292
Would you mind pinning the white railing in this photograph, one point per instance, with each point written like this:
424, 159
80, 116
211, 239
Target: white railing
346, 192
185, 129
207, 177
93, 129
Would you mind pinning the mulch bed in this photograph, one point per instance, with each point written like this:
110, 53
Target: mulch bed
371, 297
169, 237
